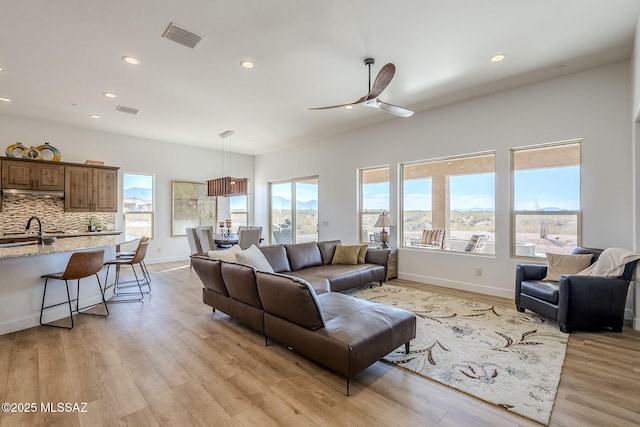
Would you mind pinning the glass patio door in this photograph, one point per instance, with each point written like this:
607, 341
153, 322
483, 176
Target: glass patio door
294, 211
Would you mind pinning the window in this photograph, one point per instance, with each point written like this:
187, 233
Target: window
374, 199
137, 204
456, 195
546, 199
238, 210
294, 210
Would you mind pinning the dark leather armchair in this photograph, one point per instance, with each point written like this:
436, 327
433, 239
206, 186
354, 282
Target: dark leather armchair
575, 302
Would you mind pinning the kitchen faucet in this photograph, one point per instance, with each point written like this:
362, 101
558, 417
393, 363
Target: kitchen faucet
40, 237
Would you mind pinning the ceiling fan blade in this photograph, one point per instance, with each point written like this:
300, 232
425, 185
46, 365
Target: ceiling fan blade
341, 105
382, 80
388, 108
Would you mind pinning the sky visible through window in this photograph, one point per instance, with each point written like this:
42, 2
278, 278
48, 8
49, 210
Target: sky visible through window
478, 191
131, 180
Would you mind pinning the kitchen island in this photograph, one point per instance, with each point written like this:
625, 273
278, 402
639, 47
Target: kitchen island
21, 286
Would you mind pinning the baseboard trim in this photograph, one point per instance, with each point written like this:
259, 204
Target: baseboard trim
462, 286
50, 315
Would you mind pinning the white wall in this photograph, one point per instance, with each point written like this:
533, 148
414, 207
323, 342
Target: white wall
593, 105
635, 67
166, 161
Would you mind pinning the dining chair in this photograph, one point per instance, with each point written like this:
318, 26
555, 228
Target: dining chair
205, 233
249, 237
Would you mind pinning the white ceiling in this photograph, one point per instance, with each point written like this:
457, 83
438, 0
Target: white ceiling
60, 56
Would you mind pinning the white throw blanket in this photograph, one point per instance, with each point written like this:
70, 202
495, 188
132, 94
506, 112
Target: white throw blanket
611, 263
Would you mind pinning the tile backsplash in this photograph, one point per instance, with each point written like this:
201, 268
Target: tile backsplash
17, 210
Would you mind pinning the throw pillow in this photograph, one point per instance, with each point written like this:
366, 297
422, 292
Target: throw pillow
565, 264
346, 255
362, 253
228, 255
253, 257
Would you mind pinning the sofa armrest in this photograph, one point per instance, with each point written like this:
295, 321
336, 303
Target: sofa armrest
587, 298
377, 256
530, 272
526, 272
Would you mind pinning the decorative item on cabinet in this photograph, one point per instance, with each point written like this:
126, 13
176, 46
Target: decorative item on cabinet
32, 153
15, 150
45, 151
49, 152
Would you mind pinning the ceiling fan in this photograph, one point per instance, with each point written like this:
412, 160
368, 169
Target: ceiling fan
371, 99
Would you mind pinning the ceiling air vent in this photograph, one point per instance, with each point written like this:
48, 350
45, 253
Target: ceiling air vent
182, 36
128, 110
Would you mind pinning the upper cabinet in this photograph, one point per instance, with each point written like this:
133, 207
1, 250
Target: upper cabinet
91, 189
86, 188
17, 174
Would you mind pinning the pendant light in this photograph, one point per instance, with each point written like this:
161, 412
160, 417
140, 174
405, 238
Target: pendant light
226, 186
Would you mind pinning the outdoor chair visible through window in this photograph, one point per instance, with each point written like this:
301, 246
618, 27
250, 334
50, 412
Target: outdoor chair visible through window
430, 239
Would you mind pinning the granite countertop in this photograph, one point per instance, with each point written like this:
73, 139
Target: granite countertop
67, 244
59, 234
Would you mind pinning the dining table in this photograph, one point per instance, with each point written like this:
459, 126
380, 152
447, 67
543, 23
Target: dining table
225, 242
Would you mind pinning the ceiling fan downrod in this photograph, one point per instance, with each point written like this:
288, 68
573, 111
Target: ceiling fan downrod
369, 62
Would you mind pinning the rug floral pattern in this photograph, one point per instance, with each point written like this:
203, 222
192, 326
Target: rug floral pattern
496, 354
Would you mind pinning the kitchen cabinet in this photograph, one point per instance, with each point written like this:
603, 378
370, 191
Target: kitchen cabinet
24, 175
91, 189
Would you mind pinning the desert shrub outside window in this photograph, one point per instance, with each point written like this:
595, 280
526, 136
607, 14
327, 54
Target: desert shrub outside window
455, 194
546, 199
374, 199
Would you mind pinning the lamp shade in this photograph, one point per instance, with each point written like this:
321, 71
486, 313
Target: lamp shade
383, 221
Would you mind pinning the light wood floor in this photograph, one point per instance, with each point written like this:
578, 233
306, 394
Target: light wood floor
170, 361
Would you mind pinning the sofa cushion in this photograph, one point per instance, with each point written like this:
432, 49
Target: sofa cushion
241, 283
362, 254
566, 264
277, 257
253, 257
546, 291
291, 299
209, 273
341, 276
228, 255
346, 255
303, 255
327, 250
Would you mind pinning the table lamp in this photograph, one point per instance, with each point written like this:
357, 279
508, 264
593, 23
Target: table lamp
384, 221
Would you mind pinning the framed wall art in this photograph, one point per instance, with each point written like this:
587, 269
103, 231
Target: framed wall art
191, 207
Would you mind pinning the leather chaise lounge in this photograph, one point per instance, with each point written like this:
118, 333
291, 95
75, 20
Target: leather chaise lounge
343, 333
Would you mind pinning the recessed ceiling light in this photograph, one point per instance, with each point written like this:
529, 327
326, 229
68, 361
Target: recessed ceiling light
94, 116
5, 99
498, 57
130, 60
348, 107
1, 69
247, 64
108, 94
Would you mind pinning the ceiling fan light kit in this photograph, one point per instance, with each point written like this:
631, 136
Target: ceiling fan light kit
382, 80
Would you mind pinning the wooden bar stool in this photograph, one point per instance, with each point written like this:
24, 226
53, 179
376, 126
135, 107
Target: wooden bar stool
140, 280
80, 266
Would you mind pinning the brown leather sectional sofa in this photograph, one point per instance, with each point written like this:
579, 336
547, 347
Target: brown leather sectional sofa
312, 262
343, 333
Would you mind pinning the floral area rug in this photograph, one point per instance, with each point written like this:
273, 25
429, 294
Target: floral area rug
496, 354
